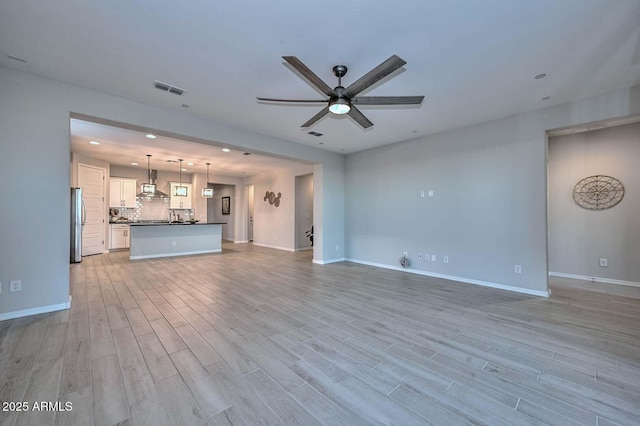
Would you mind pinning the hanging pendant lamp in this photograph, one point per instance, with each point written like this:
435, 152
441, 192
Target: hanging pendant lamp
180, 191
207, 192
148, 188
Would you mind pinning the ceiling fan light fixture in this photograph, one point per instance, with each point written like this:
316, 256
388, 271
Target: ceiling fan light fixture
340, 106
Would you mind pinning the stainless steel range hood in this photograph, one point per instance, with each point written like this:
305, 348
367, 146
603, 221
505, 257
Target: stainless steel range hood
149, 190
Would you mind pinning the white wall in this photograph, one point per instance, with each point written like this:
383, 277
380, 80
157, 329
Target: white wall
35, 158
304, 209
579, 238
275, 226
489, 207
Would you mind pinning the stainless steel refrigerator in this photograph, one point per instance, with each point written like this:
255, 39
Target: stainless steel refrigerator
78, 216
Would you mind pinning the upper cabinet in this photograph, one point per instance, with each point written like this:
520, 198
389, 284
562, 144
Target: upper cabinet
122, 192
177, 201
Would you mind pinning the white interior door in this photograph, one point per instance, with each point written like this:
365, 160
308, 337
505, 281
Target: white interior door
91, 180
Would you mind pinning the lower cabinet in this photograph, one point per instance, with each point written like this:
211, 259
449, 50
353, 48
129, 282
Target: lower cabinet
119, 236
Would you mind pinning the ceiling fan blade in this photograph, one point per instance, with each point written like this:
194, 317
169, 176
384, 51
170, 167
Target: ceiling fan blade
359, 117
309, 75
298, 101
376, 74
316, 117
388, 100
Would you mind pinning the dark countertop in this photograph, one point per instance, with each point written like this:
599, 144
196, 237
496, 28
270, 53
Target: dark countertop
175, 223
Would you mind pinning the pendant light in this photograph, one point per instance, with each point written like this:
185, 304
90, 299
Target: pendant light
207, 192
148, 188
180, 191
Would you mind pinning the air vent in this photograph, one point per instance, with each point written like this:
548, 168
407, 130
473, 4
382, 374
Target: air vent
316, 134
246, 153
168, 88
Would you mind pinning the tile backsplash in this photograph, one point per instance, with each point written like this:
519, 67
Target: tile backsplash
150, 209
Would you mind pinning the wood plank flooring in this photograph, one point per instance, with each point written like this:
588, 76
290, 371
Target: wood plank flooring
256, 336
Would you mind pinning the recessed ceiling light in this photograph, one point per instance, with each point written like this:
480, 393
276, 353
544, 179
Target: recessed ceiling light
150, 136
539, 76
134, 164
546, 98
189, 164
184, 170
226, 150
94, 142
246, 153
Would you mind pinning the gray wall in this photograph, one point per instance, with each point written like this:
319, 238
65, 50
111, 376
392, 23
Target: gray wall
489, 207
35, 147
579, 238
214, 209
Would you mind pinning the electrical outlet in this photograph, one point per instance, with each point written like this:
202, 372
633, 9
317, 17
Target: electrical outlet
419, 256
518, 269
433, 257
604, 263
421, 194
427, 257
0, 287
15, 285
445, 259
431, 193
406, 254
173, 243
337, 248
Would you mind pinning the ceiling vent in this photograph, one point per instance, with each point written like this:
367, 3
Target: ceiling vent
316, 134
168, 88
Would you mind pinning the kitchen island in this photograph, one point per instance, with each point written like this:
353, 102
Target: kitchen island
163, 239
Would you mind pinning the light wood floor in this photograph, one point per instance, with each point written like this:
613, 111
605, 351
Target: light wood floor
260, 336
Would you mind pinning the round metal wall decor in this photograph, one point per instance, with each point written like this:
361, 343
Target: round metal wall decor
598, 192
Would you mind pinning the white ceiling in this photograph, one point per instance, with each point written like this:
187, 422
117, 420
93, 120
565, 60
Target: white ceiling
474, 60
123, 146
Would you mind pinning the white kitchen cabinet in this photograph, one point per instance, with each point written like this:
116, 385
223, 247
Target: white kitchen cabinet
122, 192
178, 202
120, 238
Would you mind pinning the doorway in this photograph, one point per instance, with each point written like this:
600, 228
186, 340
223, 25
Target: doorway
250, 199
221, 209
592, 202
304, 212
91, 180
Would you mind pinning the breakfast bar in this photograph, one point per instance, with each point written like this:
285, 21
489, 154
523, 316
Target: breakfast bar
163, 239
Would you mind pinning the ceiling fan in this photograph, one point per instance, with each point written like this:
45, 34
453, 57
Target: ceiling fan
344, 100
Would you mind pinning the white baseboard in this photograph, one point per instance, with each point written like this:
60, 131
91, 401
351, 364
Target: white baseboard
35, 311
455, 278
240, 241
304, 248
596, 279
326, 262
273, 247
186, 253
